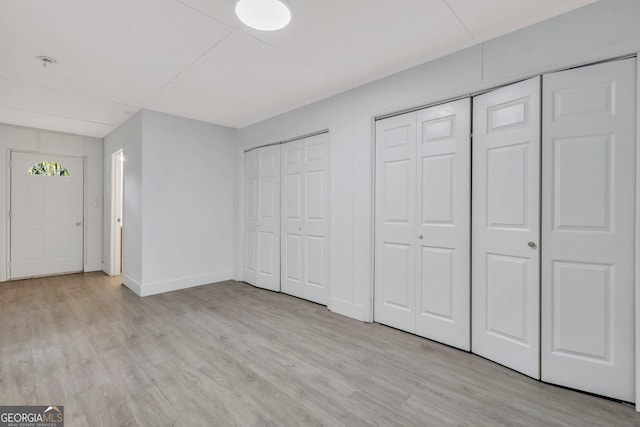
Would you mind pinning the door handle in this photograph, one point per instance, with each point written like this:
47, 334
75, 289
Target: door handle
78, 222
420, 236
532, 245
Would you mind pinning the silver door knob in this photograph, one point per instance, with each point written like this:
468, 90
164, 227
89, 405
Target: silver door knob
532, 244
78, 222
420, 236
299, 228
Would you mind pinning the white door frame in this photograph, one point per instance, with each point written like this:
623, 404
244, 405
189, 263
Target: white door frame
637, 236
84, 203
117, 179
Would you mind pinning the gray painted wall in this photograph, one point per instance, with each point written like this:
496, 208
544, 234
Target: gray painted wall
47, 142
606, 29
179, 195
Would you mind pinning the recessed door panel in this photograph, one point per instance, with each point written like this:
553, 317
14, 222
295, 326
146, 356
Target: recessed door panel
397, 263
315, 253
505, 198
507, 185
507, 308
588, 228
315, 195
291, 193
398, 204
581, 307
438, 201
583, 179
437, 283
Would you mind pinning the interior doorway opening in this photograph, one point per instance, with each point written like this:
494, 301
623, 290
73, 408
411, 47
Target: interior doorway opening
117, 224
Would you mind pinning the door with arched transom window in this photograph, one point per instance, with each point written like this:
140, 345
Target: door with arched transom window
46, 215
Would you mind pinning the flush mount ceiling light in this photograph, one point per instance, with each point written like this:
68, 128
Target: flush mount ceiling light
265, 15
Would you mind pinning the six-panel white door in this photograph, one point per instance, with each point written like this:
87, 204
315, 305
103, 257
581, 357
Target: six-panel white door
395, 222
506, 226
46, 216
305, 218
422, 239
262, 218
588, 189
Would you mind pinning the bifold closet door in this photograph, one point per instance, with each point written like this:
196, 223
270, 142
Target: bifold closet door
262, 218
395, 222
506, 226
422, 238
305, 218
443, 205
588, 230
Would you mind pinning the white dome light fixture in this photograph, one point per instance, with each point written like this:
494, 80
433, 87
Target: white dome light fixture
265, 15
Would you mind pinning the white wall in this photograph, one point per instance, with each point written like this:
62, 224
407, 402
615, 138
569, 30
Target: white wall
46, 142
188, 202
179, 195
127, 137
605, 29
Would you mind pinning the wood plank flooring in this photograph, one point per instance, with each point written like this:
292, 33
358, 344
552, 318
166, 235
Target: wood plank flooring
230, 354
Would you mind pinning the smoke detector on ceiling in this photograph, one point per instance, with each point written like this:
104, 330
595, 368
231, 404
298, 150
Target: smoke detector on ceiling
46, 60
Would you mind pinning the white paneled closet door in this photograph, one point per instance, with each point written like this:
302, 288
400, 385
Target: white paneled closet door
506, 226
395, 222
443, 204
262, 217
588, 229
306, 218
251, 171
422, 238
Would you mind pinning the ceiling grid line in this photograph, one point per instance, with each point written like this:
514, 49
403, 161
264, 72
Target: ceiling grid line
184, 70
230, 27
55, 115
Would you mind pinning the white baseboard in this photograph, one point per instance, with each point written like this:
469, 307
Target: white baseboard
3, 276
92, 267
106, 269
132, 284
350, 310
147, 289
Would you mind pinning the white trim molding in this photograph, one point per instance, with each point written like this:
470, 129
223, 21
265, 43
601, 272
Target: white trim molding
148, 289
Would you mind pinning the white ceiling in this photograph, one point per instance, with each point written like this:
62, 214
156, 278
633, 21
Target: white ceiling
193, 58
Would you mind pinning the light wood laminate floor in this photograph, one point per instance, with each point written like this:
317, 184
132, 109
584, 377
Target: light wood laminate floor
230, 354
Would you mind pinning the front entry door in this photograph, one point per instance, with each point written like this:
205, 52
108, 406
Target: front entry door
46, 215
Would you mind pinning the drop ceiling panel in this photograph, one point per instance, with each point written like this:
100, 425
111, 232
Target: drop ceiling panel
487, 19
362, 40
120, 50
23, 97
244, 80
222, 10
51, 122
